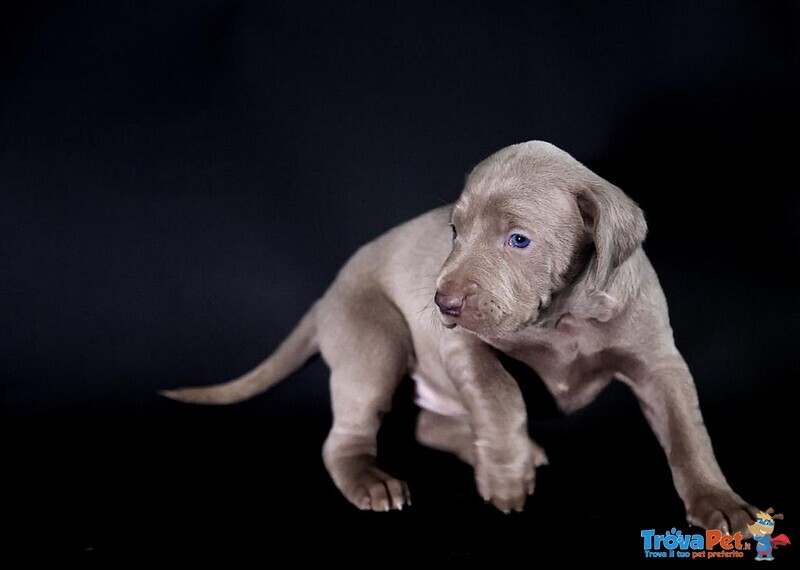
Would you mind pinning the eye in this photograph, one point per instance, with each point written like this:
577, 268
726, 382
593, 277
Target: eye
518, 240
455, 233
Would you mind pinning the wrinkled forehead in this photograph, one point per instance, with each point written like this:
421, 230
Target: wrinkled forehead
522, 185
513, 202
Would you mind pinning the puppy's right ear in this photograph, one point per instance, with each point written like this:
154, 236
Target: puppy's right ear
617, 226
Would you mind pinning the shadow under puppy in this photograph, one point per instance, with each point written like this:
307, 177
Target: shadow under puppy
541, 259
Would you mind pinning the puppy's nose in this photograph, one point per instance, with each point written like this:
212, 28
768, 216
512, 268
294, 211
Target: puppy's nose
449, 304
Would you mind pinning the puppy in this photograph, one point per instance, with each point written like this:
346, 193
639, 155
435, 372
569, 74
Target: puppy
541, 259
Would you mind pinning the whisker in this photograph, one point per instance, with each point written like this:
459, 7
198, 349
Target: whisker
418, 289
431, 314
432, 319
427, 307
426, 297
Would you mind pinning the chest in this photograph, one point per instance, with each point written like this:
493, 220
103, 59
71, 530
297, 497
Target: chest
568, 344
573, 359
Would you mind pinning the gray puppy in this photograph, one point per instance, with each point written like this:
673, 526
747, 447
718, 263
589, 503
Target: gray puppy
541, 259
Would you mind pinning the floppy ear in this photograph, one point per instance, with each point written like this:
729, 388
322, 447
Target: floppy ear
617, 226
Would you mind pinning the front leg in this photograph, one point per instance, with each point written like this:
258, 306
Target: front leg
505, 460
668, 398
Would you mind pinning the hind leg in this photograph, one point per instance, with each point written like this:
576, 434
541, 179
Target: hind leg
368, 357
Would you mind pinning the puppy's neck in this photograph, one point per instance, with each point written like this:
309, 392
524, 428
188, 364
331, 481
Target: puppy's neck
584, 299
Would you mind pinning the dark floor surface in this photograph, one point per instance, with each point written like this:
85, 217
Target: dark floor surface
144, 477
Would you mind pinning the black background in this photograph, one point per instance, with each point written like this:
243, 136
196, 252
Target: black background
180, 180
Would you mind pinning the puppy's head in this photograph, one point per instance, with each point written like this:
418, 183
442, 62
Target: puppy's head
530, 219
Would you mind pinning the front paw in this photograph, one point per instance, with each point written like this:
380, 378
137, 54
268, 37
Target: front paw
720, 509
505, 477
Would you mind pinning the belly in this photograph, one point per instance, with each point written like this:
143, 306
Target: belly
434, 397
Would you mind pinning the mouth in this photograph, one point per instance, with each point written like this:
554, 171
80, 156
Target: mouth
763, 531
450, 312
449, 321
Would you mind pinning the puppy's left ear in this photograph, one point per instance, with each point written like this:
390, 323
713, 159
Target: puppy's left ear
616, 223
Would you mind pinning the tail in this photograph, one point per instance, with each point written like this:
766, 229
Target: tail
294, 351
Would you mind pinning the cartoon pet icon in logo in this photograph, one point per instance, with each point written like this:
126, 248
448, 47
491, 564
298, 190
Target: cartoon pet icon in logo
762, 530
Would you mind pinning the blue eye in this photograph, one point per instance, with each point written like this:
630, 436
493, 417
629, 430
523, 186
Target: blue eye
519, 240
